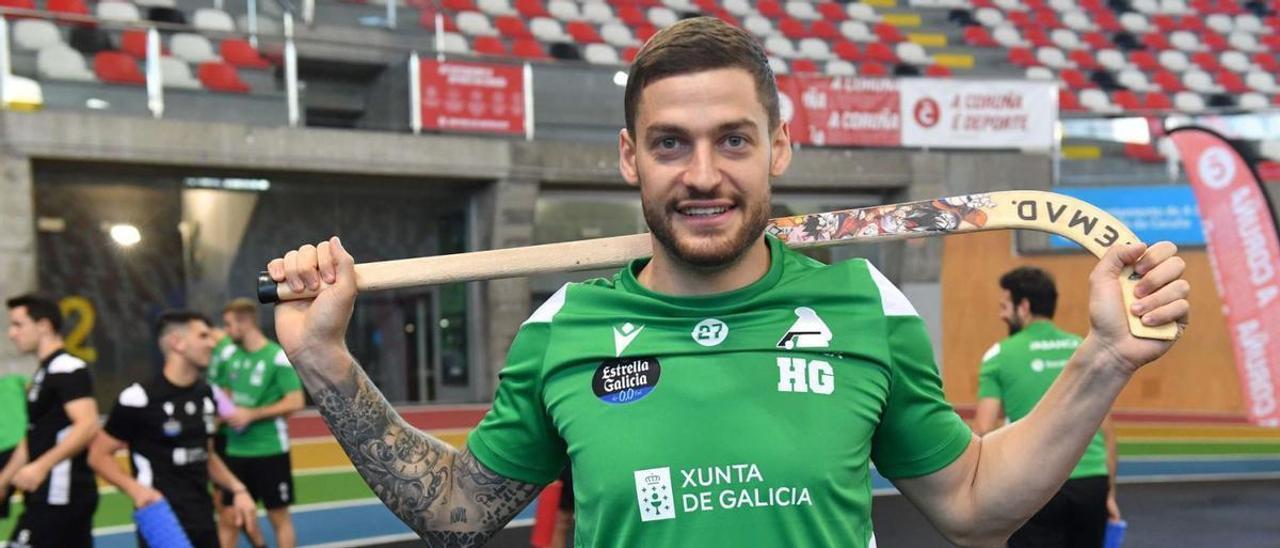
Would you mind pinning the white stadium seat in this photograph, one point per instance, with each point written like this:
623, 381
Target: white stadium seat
780, 46
1261, 81
156, 3
1251, 23
778, 65
758, 25
35, 34
1112, 59
597, 12
662, 17
857, 31
1135, 80
1063, 6
862, 12
174, 73
1008, 37
1066, 39
680, 5
989, 17
840, 67
547, 29
1078, 21
1200, 81
803, 10
740, 8
1235, 61
1134, 22
815, 48
1040, 73
496, 7
1220, 23
1185, 40
1175, 7
192, 48
456, 43
618, 34
912, 54
124, 12
1255, 101
60, 62
600, 54
1096, 100
210, 19
474, 23
1010, 5
1053, 58
1174, 60
1149, 7
1186, 101
1270, 149
1245, 41
564, 10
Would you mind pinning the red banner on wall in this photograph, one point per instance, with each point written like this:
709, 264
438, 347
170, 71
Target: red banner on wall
840, 111
1244, 250
472, 97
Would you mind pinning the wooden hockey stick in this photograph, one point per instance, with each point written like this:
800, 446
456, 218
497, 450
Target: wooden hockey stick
1071, 218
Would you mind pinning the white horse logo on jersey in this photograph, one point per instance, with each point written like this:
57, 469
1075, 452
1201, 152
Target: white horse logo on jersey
809, 331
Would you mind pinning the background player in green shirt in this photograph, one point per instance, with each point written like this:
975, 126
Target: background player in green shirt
256, 374
728, 391
1015, 374
13, 426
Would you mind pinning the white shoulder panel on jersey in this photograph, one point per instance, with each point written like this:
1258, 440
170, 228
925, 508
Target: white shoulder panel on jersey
227, 351
891, 298
991, 352
282, 359
134, 396
549, 309
65, 363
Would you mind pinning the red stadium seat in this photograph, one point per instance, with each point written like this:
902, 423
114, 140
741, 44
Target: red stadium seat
459, 5
644, 31
1096, 40
1067, 101
1048, 19
115, 67
727, 17
1190, 23
1126, 100
978, 37
221, 77
804, 66
1230, 81
792, 28
488, 45
707, 6
1269, 62
1156, 41
1144, 60
1107, 21
1269, 171
881, 52
1214, 41
1165, 22
887, 33
427, 20
872, 69
531, 8
832, 11
18, 4
134, 42
1206, 60
1272, 41
846, 50
241, 53
1038, 37
1022, 57
629, 53
771, 9
1075, 79
632, 15
1167, 80
1020, 19
1083, 59
76, 7
937, 71
1156, 101
1145, 153
825, 30
583, 32
511, 26
529, 49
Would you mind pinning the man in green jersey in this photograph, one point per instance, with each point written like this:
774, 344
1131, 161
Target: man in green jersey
1015, 374
13, 426
727, 391
254, 371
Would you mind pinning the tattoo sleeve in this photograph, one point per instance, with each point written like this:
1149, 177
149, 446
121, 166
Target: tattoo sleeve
443, 494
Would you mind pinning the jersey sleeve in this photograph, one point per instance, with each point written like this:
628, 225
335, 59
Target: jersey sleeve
919, 432
71, 385
286, 378
988, 374
127, 413
517, 439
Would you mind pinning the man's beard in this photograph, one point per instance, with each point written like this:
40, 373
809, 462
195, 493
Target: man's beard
1014, 326
724, 250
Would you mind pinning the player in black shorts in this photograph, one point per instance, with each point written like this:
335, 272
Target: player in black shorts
167, 423
62, 417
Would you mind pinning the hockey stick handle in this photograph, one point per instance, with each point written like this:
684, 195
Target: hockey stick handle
1074, 219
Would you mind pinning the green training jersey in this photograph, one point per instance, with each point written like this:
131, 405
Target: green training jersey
255, 379
1020, 369
748, 418
13, 410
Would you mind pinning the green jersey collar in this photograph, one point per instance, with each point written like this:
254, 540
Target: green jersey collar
715, 300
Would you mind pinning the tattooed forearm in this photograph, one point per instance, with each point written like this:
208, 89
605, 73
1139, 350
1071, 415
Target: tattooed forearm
444, 495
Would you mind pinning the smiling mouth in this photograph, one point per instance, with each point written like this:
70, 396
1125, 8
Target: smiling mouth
704, 211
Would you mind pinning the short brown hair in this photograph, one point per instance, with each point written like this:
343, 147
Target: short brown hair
241, 306
695, 45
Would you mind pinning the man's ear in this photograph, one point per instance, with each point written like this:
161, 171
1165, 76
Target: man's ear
627, 158
780, 150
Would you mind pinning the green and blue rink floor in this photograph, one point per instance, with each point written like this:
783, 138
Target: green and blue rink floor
336, 508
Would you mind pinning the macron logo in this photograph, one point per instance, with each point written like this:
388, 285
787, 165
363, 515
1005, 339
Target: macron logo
623, 335
809, 331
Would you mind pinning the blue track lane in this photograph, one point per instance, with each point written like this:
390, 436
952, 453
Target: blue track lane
355, 520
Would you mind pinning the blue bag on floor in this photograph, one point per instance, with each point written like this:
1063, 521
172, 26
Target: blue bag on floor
159, 526
1115, 534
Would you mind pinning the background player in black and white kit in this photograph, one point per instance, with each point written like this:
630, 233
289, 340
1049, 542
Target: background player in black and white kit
167, 423
62, 417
